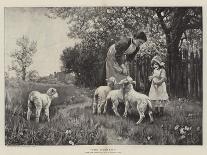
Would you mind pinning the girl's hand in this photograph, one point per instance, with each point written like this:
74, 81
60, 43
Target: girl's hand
150, 78
124, 71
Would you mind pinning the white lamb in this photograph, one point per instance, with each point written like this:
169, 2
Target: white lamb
100, 95
41, 101
115, 96
136, 100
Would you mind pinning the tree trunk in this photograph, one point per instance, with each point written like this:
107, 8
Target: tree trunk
23, 74
173, 62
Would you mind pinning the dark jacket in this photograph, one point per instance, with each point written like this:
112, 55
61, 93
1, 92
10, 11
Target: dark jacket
121, 46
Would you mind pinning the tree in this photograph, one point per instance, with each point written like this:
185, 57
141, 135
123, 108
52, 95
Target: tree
33, 75
164, 28
175, 22
22, 56
108, 25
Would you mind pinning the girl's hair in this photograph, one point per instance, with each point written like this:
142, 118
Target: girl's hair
158, 65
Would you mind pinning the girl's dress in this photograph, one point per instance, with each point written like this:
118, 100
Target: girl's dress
158, 93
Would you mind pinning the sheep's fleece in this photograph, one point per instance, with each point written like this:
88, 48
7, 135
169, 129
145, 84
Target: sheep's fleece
40, 101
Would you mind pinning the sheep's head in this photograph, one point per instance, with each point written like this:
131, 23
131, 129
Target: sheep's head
125, 83
111, 81
52, 92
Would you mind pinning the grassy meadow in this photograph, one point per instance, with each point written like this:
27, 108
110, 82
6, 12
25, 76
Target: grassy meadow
72, 121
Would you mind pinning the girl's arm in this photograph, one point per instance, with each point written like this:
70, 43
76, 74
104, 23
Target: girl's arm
151, 76
163, 77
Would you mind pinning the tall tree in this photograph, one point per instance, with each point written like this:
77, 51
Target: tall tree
175, 21
100, 27
22, 56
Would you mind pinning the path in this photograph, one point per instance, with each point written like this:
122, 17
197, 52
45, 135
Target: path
112, 137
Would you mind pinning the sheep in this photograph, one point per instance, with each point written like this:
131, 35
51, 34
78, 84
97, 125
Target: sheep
136, 99
115, 96
40, 101
100, 95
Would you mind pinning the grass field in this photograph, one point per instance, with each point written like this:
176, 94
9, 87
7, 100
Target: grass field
72, 122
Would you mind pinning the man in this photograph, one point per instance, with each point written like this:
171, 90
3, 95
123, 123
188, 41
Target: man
121, 53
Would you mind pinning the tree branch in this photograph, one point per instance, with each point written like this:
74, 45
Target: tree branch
166, 30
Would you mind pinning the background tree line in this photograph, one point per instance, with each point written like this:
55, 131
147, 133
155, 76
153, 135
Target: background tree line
168, 30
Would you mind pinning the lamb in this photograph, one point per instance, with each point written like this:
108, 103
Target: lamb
100, 95
115, 96
40, 101
136, 100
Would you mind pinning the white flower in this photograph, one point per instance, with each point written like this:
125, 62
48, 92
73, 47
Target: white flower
187, 128
182, 131
149, 137
68, 132
176, 127
71, 142
198, 128
182, 137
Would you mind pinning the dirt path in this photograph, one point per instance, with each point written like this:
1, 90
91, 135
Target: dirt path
83, 105
112, 137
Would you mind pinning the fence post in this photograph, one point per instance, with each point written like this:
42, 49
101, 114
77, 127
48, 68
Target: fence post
191, 72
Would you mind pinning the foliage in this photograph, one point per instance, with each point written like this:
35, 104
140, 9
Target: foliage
109, 24
180, 125
33, 75
22, 56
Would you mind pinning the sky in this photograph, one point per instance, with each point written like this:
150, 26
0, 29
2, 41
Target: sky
50, 34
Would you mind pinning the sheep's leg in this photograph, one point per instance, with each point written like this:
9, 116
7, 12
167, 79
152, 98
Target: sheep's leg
126, 108
38, 111
29, 111
105, 106
141, 116
94, 107
115, 106
101, 104
150, 111
47, 114
151, 116
95, 103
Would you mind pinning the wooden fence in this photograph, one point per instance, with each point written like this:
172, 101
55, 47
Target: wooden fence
189, 81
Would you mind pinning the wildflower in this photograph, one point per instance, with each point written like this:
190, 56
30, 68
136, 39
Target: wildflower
182, 131
182, 137
198, 128
187, 128
176, 127
68, 132
21, 133
71, 142
149, 137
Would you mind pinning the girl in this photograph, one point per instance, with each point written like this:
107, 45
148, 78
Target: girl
158, 93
